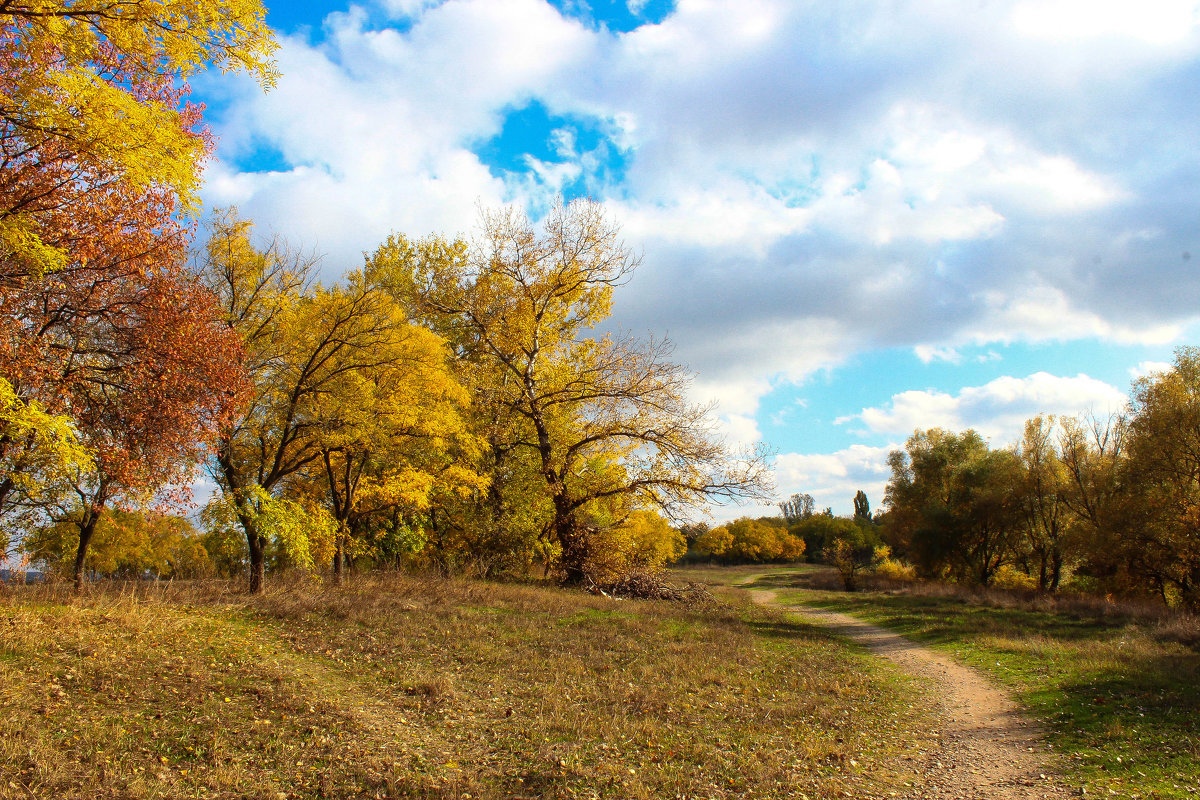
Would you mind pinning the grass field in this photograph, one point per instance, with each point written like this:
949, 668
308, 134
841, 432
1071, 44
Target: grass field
423, 688
1119, 695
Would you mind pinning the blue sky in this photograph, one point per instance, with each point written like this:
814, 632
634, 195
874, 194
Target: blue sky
856, 218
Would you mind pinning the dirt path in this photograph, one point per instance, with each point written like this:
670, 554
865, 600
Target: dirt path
988, 750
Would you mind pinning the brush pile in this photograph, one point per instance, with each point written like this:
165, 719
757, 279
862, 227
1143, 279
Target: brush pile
654, 586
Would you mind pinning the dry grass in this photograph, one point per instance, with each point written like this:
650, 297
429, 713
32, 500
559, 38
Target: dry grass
424, 688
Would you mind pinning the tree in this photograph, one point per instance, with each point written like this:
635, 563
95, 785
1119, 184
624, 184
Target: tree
341, 382
126, 545
387, 429
749, 540
1093, 452
952, 505
715, 542
820, 531
94, 93
604, 418
1163, 475
643, 542
798, 507
99, 152
150, 390
862, 506
1046, 516
38, 453
850, 547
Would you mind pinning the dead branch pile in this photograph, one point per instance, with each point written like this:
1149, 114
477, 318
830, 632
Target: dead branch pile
652, 586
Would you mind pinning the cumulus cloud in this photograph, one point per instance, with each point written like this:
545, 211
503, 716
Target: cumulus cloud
807, 181
832, 479
998, 409
373, 124
1147, 368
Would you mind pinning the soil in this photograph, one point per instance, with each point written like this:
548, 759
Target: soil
986, 748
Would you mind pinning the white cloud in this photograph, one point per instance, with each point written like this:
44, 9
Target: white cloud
1147, 368
929, 354
375, 123
807, 180
1159, 22
832, 479
998, 409
1040, 313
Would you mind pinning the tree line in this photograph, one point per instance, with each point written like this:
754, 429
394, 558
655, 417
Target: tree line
851, 544
1110, 501
1103, 505
448, 402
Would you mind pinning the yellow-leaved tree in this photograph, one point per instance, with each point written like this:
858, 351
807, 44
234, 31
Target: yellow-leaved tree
101, 84
351, 404
389, 428
42, 450
1161, 475
100, 157
600, 419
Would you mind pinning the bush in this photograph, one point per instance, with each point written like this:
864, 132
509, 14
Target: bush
750, 541
891, 569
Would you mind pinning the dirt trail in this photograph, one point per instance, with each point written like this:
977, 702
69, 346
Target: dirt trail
988, 750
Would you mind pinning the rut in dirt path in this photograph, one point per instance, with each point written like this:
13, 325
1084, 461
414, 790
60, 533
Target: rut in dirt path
988, 749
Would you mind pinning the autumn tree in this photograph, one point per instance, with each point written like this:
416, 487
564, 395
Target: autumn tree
849, 546
1093, 453
389, 428
750, 541
344, 389
499, 528
1163, 477
100, 154
821, 534
952, 505
126, 544
1046, 517
39, 452
604, 418
150, 388
643, 542
94, 94
99, 148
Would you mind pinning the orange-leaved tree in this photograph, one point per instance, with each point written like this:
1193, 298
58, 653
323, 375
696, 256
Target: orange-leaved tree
100, 152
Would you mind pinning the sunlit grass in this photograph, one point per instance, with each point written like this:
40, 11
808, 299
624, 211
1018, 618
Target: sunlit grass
426, 688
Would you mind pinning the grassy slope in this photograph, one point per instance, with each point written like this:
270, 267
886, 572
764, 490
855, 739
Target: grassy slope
401, 687
1121, 700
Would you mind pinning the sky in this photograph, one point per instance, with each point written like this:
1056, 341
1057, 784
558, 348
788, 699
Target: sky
856, 219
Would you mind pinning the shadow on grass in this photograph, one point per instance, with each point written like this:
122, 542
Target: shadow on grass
940, 620
815, 577
1147, 707
779, 629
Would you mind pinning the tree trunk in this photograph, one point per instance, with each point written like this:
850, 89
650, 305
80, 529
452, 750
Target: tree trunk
1056, 565
337, 561
86, 529
575, 550
257, 559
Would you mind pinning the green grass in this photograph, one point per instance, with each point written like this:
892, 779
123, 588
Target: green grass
408, 688
1119, 697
